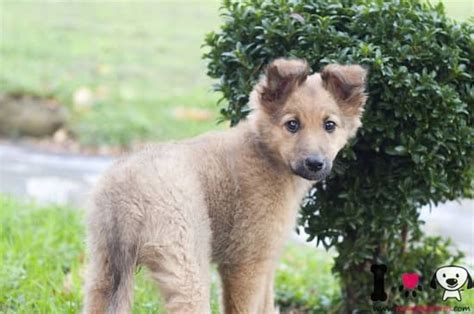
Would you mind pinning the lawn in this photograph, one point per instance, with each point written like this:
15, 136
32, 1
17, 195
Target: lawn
128, 71
42, 263
42, 257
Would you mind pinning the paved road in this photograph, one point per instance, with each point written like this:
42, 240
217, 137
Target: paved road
48, 178
66, 179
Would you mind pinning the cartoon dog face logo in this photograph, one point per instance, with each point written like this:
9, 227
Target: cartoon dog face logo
451, 279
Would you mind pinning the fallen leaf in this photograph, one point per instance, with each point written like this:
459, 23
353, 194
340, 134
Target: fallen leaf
60, 136
101, 92
103, 69
83, 98
67, 284
192, 114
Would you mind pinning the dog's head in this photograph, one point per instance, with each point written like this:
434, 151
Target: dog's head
304, 120
451, 278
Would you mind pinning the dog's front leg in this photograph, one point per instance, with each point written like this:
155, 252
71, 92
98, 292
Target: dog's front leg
268, 302
245, 287
445, 295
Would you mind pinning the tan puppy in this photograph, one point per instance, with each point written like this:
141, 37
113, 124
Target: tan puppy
229, 197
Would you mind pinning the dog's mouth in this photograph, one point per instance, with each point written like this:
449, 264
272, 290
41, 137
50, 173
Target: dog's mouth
452, 283
303, 172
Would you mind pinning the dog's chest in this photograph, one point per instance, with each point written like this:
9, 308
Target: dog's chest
257, 223
451, 295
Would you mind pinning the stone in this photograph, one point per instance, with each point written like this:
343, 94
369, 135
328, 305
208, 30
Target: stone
24, 115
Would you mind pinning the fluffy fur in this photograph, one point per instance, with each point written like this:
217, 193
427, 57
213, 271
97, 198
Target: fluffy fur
229, 197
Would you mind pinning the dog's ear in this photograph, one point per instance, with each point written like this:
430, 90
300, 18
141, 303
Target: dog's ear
347, 84
433, 281
469, 281
281, 77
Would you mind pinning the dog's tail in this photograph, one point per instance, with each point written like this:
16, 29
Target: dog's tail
122, 263
112, 262
109, 278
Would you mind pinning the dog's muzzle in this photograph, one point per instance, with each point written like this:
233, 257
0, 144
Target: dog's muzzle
312, 168
452, 282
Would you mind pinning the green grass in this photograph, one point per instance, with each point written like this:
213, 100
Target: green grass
140, 61
42, 264
304, 280
39, 248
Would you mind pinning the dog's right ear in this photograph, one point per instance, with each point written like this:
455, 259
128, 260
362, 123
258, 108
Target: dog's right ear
469, 281
433, 281
281, 77
347, 84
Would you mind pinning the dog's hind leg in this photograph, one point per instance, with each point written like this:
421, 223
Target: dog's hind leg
179, 263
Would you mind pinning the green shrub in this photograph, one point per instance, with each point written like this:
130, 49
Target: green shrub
416, 144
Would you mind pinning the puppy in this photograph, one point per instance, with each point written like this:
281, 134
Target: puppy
451, 279
229, 197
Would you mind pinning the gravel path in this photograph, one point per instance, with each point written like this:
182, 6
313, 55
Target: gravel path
66, 179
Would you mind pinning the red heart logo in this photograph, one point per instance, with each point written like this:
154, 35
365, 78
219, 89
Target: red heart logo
410, 280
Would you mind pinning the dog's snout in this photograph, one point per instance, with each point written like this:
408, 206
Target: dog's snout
451, 281
312, 167
314, 163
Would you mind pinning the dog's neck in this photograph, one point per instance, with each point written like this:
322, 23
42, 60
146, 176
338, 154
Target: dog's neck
255, 148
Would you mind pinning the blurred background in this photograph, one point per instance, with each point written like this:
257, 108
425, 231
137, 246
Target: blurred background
82, 82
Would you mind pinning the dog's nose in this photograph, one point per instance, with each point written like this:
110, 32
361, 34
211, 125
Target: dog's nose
313, 163
452, 281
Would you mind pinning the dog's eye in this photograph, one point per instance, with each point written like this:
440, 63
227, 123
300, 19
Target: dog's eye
329, 126
457, 275
292, 126
444, 275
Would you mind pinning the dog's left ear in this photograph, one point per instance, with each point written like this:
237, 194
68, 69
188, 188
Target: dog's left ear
347, 84
469, 281
433, 281
281, 77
